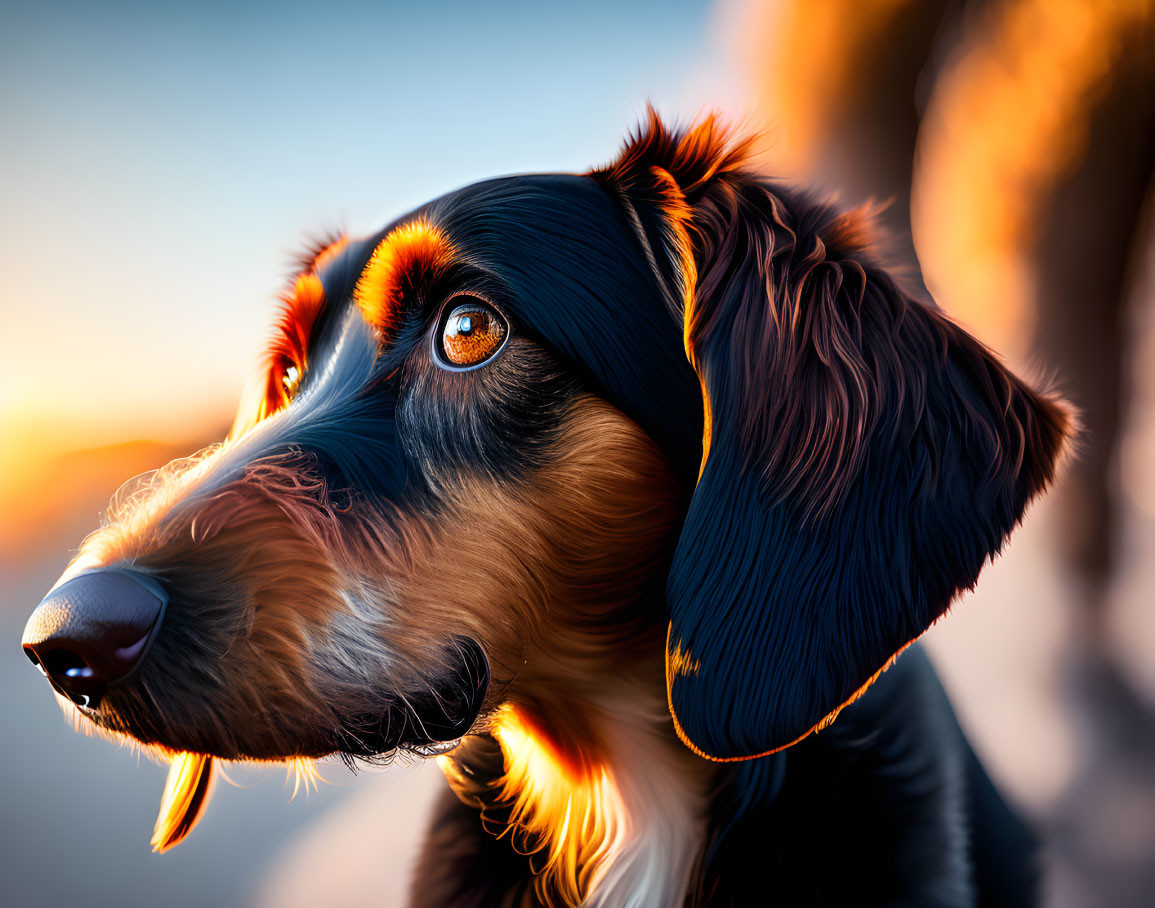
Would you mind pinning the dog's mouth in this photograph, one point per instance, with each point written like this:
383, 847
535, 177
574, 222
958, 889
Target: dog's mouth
425, 722
429, 719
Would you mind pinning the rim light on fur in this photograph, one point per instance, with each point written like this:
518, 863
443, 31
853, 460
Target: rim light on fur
575, 816
186, 793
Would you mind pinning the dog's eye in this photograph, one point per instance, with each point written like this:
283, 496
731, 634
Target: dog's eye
472, 334
290, 381
282, 382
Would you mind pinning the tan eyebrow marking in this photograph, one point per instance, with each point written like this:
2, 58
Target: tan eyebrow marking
409, 258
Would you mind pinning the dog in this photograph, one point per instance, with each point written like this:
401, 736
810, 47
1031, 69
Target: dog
609, 491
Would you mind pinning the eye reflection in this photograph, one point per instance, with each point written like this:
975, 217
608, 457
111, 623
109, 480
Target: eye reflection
472, 334
290, 381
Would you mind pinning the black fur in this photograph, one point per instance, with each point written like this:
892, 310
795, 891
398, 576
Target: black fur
866, 458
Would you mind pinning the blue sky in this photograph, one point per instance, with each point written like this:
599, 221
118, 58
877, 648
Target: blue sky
159, 163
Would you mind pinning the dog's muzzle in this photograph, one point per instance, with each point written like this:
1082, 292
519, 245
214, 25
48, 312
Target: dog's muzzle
94, 631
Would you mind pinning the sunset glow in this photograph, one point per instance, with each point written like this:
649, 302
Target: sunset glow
1009, 118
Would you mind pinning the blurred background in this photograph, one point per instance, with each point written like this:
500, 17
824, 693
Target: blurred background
159, 165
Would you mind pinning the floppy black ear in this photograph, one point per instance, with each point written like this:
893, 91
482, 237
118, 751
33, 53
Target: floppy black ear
863, 456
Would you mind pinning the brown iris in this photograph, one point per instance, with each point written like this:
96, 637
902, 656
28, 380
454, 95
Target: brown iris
472, 334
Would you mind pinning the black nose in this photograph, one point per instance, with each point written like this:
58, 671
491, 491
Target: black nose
94, 630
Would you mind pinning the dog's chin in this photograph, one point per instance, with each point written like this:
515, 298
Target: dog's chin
401, 731
424, 719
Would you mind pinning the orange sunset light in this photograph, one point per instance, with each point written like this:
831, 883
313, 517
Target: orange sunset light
573, 814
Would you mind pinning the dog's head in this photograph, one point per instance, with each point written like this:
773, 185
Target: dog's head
533, 423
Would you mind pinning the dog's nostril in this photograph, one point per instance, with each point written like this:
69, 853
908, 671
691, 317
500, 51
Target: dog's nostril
63, 662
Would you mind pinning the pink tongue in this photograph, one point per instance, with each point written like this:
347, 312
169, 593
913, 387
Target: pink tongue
186, 793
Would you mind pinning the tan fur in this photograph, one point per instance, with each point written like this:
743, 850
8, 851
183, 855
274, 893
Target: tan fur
409, 256
537, 571
307, 587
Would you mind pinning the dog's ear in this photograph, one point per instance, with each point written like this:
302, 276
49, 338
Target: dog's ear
862, 455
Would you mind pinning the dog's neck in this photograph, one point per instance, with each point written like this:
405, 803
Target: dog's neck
600, 790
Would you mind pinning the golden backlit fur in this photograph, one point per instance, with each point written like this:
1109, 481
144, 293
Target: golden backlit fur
408, 256
611, 808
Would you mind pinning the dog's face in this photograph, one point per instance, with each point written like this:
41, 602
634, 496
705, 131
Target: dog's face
540, 424
422, 498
